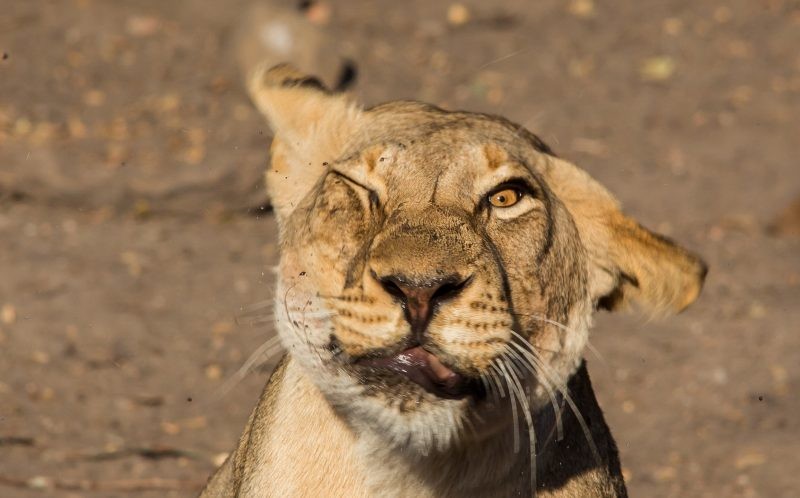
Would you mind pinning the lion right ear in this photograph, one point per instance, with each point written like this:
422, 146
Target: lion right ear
311, 127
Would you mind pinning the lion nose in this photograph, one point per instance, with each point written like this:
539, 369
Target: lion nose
420, 298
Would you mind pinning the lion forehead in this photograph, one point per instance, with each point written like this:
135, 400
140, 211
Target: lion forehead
432, 160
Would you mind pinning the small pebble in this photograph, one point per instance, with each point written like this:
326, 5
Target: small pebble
170, 428
213, 372
628, 406
142, 26
40, 482
94, 98
665, 473
458, 14
660, 68
750, 459
40, 357
581, 8
8, 314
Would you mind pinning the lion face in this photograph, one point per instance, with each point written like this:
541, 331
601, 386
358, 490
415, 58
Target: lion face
434, 263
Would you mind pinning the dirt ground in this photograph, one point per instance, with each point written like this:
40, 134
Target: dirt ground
132, 243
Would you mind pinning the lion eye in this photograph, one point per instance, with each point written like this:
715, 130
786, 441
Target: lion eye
505, 198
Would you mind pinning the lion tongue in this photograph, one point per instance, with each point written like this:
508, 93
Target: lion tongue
440, 372
415, 361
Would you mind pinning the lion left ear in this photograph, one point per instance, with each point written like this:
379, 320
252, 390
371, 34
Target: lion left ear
311, 127
653, 270
627, 262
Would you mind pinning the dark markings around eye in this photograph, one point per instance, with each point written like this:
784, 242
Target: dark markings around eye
435, 188
549, 232
354, 182
518, 184
374, 199
356, 264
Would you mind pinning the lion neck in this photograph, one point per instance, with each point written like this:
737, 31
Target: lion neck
490, 467
565, 467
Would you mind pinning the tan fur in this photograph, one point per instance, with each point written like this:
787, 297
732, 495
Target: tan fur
399, 192
668, 278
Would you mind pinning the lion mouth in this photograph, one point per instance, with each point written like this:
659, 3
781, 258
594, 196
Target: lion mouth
426, 370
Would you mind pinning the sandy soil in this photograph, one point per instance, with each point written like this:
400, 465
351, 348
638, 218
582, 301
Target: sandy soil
131, 243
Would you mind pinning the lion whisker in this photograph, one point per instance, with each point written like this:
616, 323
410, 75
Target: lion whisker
563, 327
504, 374
487, 386
547, 387
564, 390
515, 384
260, 356
312, 348
596, 352
258, 305
497, 383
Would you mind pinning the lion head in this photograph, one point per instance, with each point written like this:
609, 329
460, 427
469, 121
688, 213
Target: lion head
431, 260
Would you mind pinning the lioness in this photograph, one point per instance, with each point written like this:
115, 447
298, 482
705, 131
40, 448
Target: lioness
438, 275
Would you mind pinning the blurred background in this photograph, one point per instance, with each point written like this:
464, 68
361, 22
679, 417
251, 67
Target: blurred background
136, 242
